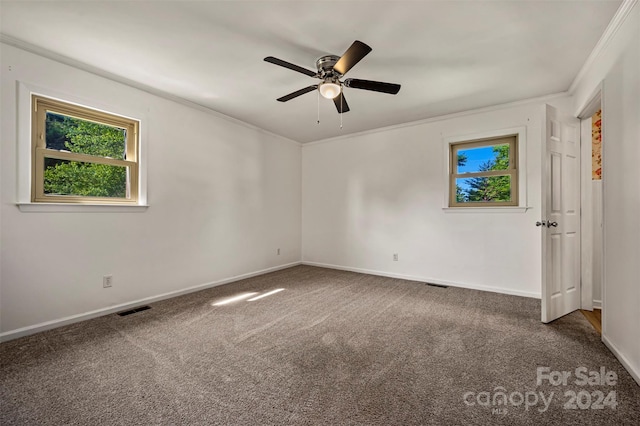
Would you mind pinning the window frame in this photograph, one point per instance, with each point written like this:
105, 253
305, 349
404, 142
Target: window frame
512, 171
523, 168
40, 105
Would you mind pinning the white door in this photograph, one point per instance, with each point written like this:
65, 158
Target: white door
560, 224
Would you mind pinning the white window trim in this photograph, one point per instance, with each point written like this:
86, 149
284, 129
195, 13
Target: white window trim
25, 90
522, 206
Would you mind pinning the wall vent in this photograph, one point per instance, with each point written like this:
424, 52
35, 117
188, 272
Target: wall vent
134, 310
437, 285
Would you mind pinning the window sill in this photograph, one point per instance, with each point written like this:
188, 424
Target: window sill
486, 209
80, 208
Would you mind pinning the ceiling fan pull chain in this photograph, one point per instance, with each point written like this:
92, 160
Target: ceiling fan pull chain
341, 109
318, 107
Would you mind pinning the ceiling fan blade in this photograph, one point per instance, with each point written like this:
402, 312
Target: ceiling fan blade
352, 56
297, 93
291, 66
341, 103
375, 86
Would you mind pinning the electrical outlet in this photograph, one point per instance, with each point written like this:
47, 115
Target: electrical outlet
278, 252
395, 257
107, 281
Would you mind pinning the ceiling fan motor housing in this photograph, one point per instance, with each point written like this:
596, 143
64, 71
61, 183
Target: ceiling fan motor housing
325, 66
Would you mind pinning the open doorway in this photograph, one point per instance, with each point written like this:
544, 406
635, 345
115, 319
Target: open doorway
592, 213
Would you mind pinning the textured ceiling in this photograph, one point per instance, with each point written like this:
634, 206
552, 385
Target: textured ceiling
449, 56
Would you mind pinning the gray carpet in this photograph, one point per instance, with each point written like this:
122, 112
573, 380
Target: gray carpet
333, 348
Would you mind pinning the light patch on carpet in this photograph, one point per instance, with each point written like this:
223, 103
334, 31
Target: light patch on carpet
237, 298
267, 294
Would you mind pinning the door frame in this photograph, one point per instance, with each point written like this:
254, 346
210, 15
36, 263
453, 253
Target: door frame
586, 203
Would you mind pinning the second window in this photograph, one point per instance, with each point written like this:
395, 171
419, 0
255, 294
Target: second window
483, 173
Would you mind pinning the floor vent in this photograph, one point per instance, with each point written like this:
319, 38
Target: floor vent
134, 310
437, 285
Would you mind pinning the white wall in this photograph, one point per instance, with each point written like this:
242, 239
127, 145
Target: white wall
618, 65
223, 197
368, 196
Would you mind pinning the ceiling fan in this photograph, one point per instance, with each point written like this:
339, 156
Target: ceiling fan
331, 69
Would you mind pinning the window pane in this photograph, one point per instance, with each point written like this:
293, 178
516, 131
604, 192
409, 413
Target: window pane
483, 189
63, 177
66, 133
483, 158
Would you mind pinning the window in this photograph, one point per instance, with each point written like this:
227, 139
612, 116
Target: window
484, 172
81, 155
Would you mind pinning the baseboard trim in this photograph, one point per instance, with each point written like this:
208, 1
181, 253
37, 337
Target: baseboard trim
597, 304
623, 360
48, 325
425, 279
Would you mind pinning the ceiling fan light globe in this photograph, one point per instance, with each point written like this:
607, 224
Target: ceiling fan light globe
329, 90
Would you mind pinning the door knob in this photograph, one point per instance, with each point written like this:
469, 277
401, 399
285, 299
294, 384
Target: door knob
550, 224
541, 223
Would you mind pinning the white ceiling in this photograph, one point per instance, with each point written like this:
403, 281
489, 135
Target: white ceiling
449, 56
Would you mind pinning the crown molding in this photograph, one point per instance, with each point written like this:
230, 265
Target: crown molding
37, 50
609, 33
490, 108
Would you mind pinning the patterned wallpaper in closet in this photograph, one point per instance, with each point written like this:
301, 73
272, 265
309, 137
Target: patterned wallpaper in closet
596, 146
